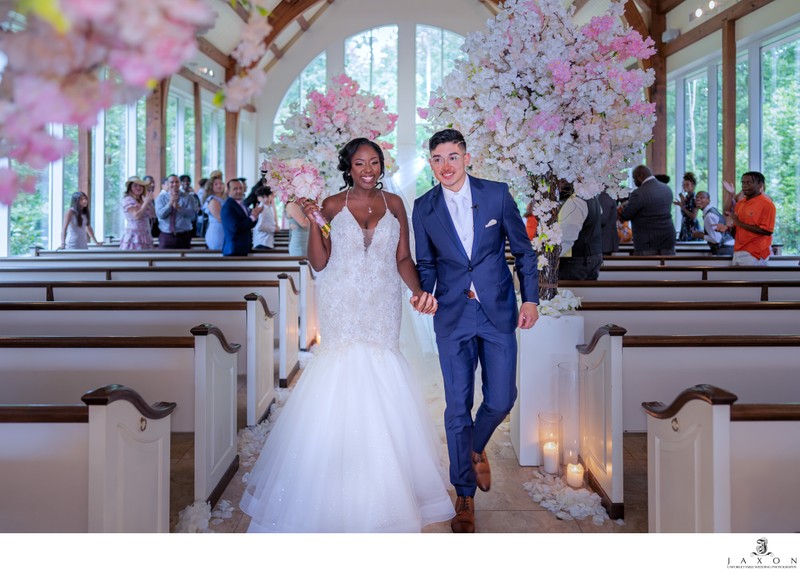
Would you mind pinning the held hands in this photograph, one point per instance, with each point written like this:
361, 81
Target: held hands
424, 303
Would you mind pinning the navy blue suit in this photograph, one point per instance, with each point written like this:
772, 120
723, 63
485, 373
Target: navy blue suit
237, 227
468, 330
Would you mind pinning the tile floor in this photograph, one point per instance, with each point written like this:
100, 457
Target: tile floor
507, 507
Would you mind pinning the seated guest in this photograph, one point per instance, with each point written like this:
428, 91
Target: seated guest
175, 212
267, 223
720, 242
608, 223
753, 221
237, 221
581, 242
649, 208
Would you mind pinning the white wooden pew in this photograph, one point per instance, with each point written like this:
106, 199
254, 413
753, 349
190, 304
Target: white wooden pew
684, 291
693, 317
197, 372
717, 466
601, 416
758, 368
700, 272
98, 467
249, 323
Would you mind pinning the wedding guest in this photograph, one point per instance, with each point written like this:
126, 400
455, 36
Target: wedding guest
267, 223
689, 210
531, 224
298, 224
581, 241
77, 229
237, 221
202, 216
754, 222
608, 223
138, 210
186, 187
215, 197
175, 212
720, 242
462, 262
151, 186
649, 208
354, 449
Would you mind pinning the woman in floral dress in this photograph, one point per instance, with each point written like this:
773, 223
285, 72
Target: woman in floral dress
137, 206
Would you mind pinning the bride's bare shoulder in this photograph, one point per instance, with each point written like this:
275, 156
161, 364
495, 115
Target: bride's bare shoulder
333, 205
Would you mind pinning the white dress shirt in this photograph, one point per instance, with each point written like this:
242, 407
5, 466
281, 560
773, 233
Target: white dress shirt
459, 204
571, 217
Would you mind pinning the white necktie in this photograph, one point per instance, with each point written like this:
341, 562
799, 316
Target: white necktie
462, 219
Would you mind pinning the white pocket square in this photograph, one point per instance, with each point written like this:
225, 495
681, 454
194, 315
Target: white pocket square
491, 223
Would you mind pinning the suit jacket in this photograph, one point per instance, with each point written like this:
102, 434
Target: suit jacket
237, 227
649, 209
443, 264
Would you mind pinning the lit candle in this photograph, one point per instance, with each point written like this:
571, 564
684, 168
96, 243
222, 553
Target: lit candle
550, 454
575, 475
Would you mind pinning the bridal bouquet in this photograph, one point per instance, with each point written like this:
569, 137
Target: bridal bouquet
296, 180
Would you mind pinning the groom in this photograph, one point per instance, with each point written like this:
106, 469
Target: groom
460, 228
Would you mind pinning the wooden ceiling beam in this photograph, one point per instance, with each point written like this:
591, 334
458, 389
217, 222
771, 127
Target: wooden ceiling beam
714, 24
213, 52
284, 14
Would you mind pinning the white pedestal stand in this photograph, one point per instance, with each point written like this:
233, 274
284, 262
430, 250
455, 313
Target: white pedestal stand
550, 342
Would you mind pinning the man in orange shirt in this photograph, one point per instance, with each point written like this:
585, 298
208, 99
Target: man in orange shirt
753, 222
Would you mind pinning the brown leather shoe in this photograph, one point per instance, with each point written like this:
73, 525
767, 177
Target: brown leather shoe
464, 520
483, 473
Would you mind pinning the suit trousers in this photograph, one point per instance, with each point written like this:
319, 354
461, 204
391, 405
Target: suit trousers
475, 340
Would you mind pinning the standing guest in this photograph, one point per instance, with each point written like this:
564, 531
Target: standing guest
77, 230
150, 185
720, 242
649, 208
581, 241
461, 227
298, 224
689, 209
186, 187
137, 207
531, 224
202, 216
753, 222
237, 221
608, 223
175, 212
267, 223
215, 197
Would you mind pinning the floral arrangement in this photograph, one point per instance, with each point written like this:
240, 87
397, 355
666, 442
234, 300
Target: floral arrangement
55, 51
295, 180
540, 99
327, 122
563, 302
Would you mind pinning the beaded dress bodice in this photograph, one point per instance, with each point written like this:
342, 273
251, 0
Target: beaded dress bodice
360, 288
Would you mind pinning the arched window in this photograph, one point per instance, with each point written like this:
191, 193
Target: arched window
312, 78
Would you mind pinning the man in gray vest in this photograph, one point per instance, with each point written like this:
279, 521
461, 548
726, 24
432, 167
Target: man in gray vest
721, 243
581, 240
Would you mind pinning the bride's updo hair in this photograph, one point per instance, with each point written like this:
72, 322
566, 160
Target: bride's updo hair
346, 160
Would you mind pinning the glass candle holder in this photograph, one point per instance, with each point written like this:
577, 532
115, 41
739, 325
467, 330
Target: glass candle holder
570, 377
550, 442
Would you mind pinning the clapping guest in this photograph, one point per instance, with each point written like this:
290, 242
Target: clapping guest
237, 221
720, 242
689, 210
267, 223
77, 230
138, 210
175, 212
215, 197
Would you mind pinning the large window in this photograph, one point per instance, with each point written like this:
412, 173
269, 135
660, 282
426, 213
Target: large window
370, 58
115, 173
213, 139
696, 132
780, 73
312, 78
742, 124
436, 53
30, 214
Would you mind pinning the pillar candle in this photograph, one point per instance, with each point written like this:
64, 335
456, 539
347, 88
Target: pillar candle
575, 476
550, 457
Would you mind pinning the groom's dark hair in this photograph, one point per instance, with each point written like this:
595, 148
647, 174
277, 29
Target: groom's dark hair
447, 136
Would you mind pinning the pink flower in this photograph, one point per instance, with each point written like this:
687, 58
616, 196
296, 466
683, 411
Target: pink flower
11, 185
422, 112
561, 72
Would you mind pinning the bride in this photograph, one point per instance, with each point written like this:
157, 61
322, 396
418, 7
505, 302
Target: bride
354, 449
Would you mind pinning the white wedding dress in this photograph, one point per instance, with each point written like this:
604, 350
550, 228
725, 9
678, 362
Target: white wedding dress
354, 448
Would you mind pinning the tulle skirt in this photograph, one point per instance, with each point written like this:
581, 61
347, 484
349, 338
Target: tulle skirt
354, 450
